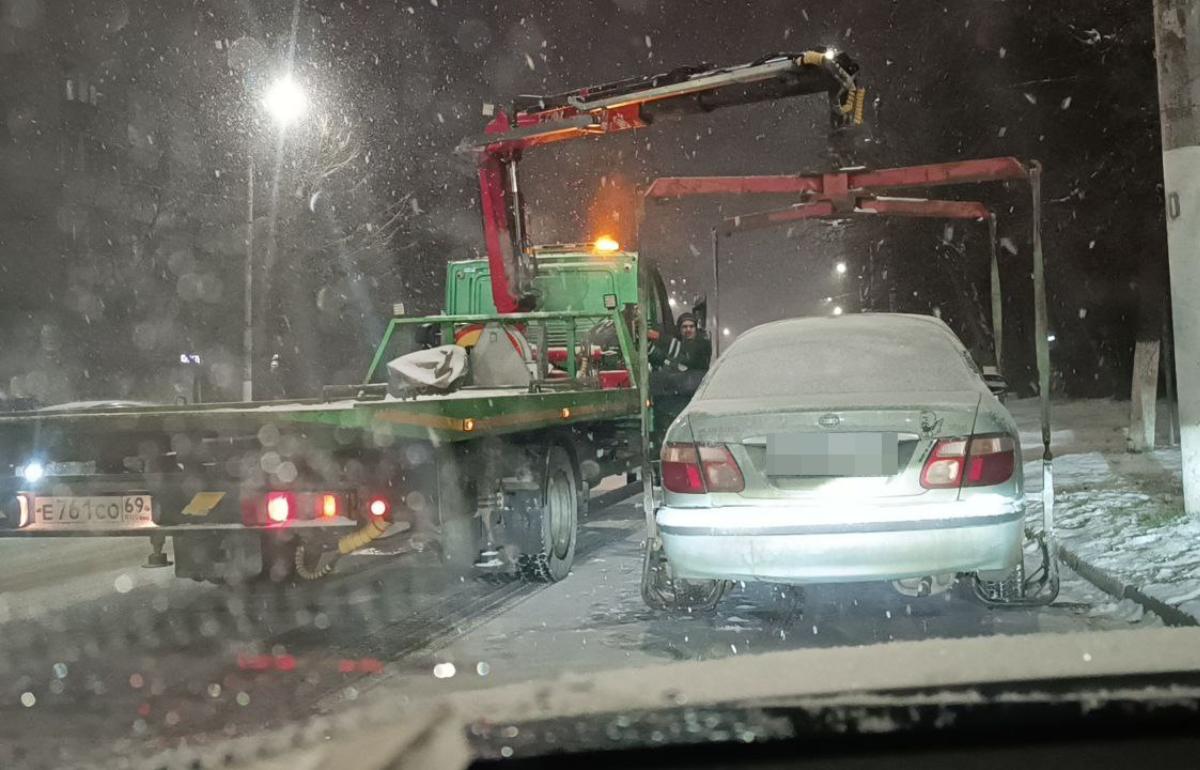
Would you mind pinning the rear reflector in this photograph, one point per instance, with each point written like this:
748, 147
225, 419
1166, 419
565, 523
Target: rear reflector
280, 506
981, 461
692, 469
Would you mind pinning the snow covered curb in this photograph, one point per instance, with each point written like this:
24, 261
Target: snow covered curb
1112, 585
1119, 517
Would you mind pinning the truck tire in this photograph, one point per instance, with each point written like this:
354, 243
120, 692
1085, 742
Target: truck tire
559, 521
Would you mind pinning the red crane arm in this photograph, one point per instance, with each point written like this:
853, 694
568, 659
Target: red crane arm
624, 105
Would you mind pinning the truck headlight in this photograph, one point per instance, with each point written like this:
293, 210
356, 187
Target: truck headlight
33, 472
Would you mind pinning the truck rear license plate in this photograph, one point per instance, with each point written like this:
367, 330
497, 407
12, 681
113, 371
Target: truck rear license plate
832, 454
109, 512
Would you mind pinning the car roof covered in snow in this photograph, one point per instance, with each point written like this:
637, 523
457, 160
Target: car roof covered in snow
862, 353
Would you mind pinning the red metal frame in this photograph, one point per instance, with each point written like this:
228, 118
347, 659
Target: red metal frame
851, 192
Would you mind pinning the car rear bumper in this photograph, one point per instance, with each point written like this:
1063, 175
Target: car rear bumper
792, 545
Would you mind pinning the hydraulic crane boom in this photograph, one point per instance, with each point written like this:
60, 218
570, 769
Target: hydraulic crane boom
620, 106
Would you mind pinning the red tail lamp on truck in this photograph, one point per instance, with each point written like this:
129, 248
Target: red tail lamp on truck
281, 506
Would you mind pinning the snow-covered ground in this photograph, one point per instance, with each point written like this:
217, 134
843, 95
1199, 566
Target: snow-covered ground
1119, 512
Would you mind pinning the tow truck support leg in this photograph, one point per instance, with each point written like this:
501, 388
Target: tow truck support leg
157, 558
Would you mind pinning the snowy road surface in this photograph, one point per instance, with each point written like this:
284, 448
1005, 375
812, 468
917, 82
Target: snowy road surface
120, 659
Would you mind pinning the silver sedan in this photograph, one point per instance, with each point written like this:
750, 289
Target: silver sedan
822, 450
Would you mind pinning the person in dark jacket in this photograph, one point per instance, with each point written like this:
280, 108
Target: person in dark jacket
689, 351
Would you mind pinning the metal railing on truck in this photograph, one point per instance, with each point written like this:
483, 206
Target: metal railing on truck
539, 322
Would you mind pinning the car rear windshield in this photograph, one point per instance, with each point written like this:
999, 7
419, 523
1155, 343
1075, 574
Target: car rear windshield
839, 357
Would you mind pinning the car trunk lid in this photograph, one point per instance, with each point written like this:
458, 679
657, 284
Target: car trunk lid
901, 427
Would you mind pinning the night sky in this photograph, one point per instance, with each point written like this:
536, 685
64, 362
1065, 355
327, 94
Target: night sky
122, 216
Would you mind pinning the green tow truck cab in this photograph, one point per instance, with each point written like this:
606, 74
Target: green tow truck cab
495, 477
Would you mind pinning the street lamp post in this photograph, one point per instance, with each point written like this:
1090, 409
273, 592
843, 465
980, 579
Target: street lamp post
248, 298
285, 102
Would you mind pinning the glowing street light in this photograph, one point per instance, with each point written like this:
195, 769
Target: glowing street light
840, 268
285, 101
837, 309
725, 331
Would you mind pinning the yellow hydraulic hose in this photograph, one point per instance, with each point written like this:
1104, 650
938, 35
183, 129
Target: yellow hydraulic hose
370, 531
355, 540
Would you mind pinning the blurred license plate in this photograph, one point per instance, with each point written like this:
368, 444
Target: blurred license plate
109, 512
832, 454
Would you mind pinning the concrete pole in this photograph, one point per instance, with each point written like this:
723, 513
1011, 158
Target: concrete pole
1143, 397
1177, 38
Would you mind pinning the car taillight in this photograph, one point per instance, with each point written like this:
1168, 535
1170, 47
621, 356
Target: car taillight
280, 506
681, 469
990, 461
943, 469
693, 469
981, 461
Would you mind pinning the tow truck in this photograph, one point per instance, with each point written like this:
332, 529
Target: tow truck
487, 454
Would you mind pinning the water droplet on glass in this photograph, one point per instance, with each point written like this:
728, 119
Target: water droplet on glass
123, 584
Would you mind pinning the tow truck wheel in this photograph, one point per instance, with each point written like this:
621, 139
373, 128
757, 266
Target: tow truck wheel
559, 521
